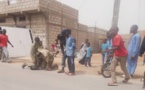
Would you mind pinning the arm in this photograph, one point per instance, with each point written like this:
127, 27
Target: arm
115, 43
113, 48
62, 48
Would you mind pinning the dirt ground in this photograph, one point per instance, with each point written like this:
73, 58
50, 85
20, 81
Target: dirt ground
96, 66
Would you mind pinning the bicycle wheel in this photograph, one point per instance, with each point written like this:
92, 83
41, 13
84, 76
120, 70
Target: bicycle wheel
105, 70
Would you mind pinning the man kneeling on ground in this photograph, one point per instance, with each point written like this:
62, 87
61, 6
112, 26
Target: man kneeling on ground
41, 60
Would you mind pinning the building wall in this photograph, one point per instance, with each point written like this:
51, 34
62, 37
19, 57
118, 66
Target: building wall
19, 6
97, 36
126, 37
46, 20
82, 35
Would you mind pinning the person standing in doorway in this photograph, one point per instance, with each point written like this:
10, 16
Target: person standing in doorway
4, 41
133, 50
120, 55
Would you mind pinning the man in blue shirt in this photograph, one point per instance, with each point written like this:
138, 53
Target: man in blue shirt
133, 50
70, 46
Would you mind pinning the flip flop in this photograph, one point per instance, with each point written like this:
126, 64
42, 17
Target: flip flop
71, 74
125, 80
112, 84
67, 73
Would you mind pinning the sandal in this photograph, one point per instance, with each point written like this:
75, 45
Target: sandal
125, 80
67, 73
71, 74
112, 84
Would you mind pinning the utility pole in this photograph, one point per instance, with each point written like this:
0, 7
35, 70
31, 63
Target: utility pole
116, 12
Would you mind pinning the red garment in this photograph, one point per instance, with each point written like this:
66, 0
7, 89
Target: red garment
53, 47
118, 42
3, 40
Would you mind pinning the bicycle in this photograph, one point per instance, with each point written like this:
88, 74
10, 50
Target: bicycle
105, 70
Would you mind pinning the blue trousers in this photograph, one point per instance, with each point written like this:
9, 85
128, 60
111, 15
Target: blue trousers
103, 58
71, 64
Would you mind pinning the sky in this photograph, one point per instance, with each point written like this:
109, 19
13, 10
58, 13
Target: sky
99, 13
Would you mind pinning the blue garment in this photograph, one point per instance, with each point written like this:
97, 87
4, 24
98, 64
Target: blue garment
104, 46
103, 58
89, 50
133, 50
70, 44
109, 44
71, 64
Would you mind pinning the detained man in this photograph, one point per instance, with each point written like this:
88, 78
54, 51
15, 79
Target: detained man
34, 50
133, 50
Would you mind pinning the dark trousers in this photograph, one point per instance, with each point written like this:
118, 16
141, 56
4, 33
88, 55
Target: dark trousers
71, 64
63, 61
103, 58
88, 61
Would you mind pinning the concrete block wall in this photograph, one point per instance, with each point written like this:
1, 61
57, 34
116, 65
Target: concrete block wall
19, 6
69, 11
9, 22
53, 32
38, 27
70, 23
91, 37
82, 27
54, 18
82, 35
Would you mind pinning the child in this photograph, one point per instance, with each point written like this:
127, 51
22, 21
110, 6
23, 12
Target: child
104, 47
88, 55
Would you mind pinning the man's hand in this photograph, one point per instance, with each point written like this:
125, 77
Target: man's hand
140, 55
